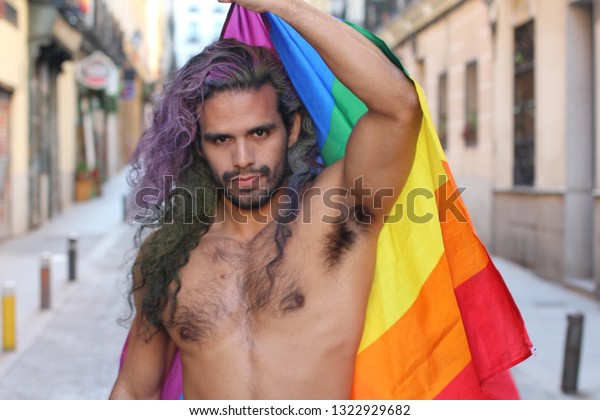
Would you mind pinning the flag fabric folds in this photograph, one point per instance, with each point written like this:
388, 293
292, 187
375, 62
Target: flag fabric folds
440, 322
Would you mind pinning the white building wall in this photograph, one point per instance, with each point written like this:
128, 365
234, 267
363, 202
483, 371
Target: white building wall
13, 44
197, 23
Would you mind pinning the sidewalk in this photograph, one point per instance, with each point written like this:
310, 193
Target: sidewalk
544, 307
71, 351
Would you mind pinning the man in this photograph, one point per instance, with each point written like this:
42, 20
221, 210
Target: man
265, 297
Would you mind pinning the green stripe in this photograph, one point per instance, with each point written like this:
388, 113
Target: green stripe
348, 109
345, 114
381, 45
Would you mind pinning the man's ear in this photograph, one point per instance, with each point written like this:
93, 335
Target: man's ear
295, 129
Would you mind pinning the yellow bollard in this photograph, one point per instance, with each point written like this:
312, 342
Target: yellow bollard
9, 341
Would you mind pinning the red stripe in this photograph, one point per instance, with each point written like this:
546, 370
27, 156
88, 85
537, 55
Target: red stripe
466, 387
495, 330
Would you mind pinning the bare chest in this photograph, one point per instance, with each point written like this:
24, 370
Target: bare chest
227, 286
230, 288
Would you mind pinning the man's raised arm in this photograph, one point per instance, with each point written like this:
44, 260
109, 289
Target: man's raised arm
382, 145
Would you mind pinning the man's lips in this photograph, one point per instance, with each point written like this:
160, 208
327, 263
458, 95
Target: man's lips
246, 182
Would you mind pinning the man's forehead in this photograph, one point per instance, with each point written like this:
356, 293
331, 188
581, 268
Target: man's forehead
262, 94
240, 107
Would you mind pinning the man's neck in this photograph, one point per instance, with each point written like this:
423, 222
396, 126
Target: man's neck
244, 224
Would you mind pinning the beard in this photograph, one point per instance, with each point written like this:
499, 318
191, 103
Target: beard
256, 196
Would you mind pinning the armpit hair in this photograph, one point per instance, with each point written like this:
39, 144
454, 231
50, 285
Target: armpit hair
346, 231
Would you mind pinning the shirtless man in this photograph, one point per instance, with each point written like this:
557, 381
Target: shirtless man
262, 305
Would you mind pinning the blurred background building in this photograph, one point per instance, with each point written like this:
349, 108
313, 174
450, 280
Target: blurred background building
351, 10
73, 84
513, 88
197, 24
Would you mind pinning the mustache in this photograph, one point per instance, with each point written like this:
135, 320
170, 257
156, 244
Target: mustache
230, 175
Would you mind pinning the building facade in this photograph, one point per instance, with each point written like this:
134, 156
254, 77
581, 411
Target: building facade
66, 98
197, 23
14, 127
513, 88
351, 10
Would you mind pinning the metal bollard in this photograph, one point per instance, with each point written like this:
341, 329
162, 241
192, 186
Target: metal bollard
72, 252
572, 353
45, 281
9, 340
125, 208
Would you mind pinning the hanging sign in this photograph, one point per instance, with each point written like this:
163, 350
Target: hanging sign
95, 71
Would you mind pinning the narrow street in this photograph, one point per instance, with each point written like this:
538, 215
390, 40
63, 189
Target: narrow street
72, 350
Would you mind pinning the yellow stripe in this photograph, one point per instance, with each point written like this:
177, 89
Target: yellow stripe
434, 146
408, 250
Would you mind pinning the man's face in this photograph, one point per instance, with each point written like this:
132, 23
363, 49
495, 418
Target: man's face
245, 142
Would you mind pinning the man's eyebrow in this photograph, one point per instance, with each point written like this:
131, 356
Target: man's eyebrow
214, 136
262, 127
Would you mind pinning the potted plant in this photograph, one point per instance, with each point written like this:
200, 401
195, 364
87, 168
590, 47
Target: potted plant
84, 182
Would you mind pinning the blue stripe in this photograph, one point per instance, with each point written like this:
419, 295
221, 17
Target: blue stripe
311, 77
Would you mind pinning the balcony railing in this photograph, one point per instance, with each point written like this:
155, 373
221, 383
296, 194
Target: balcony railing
379, 12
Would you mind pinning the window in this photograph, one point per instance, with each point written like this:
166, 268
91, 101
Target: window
470, 127
193, 32
443, 109
378, 12
8, 12
524, 106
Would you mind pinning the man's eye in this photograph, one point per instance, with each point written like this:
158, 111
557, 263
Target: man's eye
221, 139
260, 133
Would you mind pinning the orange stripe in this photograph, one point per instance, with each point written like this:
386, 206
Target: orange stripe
466, 255
421, 353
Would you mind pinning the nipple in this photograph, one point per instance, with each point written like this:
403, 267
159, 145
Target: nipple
293, 302
185, 333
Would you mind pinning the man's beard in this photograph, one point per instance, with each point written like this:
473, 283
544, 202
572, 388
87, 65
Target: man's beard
253, 198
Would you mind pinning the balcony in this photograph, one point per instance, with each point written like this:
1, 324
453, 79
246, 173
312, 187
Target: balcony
380, 12
398, 20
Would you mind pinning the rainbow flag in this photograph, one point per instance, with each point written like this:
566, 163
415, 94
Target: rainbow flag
440, 322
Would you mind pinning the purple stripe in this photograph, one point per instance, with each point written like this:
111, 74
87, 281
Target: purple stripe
246, 26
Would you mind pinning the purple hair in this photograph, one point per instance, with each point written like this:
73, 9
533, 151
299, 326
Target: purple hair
165, 162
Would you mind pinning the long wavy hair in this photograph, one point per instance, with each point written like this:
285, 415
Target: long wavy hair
167, 172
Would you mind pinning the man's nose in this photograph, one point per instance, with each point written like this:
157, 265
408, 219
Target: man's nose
244, 154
